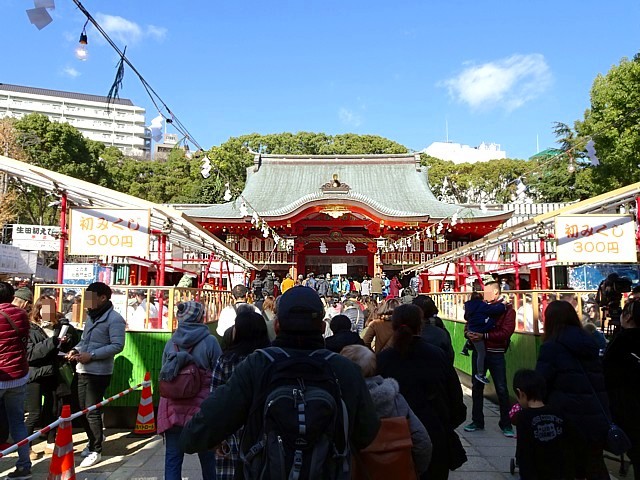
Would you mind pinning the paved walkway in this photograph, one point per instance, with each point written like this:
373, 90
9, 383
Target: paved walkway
129, 457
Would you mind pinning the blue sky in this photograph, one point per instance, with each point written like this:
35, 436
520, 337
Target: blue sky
496, 71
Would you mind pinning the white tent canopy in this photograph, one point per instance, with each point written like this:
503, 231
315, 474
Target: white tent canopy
540, 224
181, 229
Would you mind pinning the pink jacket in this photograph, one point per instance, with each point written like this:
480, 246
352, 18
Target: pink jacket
176, 413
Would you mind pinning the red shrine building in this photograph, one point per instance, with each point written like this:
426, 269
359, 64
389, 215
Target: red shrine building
370, 212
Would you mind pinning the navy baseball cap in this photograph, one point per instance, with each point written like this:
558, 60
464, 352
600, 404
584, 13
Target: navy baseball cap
300, 310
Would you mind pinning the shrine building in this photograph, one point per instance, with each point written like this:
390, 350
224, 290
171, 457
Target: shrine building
369, 211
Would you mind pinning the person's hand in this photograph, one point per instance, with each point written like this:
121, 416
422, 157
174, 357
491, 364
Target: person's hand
65, 339
72, 355
474, 337
84, 357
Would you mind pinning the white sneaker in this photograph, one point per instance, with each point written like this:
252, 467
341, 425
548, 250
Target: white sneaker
85, 453
92, 459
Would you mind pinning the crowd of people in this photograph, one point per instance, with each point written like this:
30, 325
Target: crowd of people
308, 382
46, 364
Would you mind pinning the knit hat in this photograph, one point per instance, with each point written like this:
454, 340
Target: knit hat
190, 312
300, 310
24, 294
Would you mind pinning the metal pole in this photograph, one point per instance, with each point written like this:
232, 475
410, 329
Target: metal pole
206, 272
228, 275
544, 284
516, 265
444, 278
474, 267
63, 236
161, 278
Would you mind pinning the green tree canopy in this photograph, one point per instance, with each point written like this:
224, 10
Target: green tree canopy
613, 122
233, 157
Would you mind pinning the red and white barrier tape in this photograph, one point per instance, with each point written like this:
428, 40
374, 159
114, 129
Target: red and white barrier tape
46, 429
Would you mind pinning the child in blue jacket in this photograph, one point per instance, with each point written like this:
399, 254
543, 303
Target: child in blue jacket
481, 317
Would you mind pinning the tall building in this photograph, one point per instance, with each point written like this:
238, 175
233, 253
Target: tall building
162, 150
120, 123
458, 153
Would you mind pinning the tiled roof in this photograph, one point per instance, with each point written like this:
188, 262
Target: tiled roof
391, 185
59, 93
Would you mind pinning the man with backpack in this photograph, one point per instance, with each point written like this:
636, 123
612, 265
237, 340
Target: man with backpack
302, 406
323, 287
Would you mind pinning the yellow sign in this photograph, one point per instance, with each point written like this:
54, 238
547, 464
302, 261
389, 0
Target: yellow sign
596, 239
109, 231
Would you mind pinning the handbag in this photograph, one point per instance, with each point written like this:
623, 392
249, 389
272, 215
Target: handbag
66, 373
389, 455
617, 442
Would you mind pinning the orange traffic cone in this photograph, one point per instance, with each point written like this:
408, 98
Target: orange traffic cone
62, 461
146, 422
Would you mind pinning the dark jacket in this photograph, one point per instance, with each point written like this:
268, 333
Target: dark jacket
622, 379
431, 387
573, 370
228, 409
438, 337
339, 340
13, 352
43, 352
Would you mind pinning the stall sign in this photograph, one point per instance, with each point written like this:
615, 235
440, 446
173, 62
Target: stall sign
338, 268
113, 231
596, 239
36, 237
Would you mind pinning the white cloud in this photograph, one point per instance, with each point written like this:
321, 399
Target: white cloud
156, 32
349, 117
70, 72
127, 32
508, 82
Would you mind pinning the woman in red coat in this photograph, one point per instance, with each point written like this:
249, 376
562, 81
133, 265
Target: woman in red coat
394, 287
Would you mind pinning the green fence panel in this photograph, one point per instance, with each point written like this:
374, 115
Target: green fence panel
522, 352
142, 353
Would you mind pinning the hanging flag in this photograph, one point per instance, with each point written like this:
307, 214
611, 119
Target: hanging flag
591, 153
156, 129
205, 169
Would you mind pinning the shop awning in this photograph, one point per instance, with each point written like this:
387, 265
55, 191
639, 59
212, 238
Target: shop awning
182, 230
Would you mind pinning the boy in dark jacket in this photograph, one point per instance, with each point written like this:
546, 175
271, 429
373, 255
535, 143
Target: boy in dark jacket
342, 335
543, 437
481, 317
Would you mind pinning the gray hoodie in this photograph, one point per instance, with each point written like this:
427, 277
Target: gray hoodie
195, 343
385, 393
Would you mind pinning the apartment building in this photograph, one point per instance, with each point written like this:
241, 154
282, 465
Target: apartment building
120, 123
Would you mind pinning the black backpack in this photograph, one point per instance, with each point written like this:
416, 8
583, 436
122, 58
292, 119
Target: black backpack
298, 424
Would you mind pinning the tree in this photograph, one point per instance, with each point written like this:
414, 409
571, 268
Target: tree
495, 181
613, 122
175, 181
56, 146
231, 159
